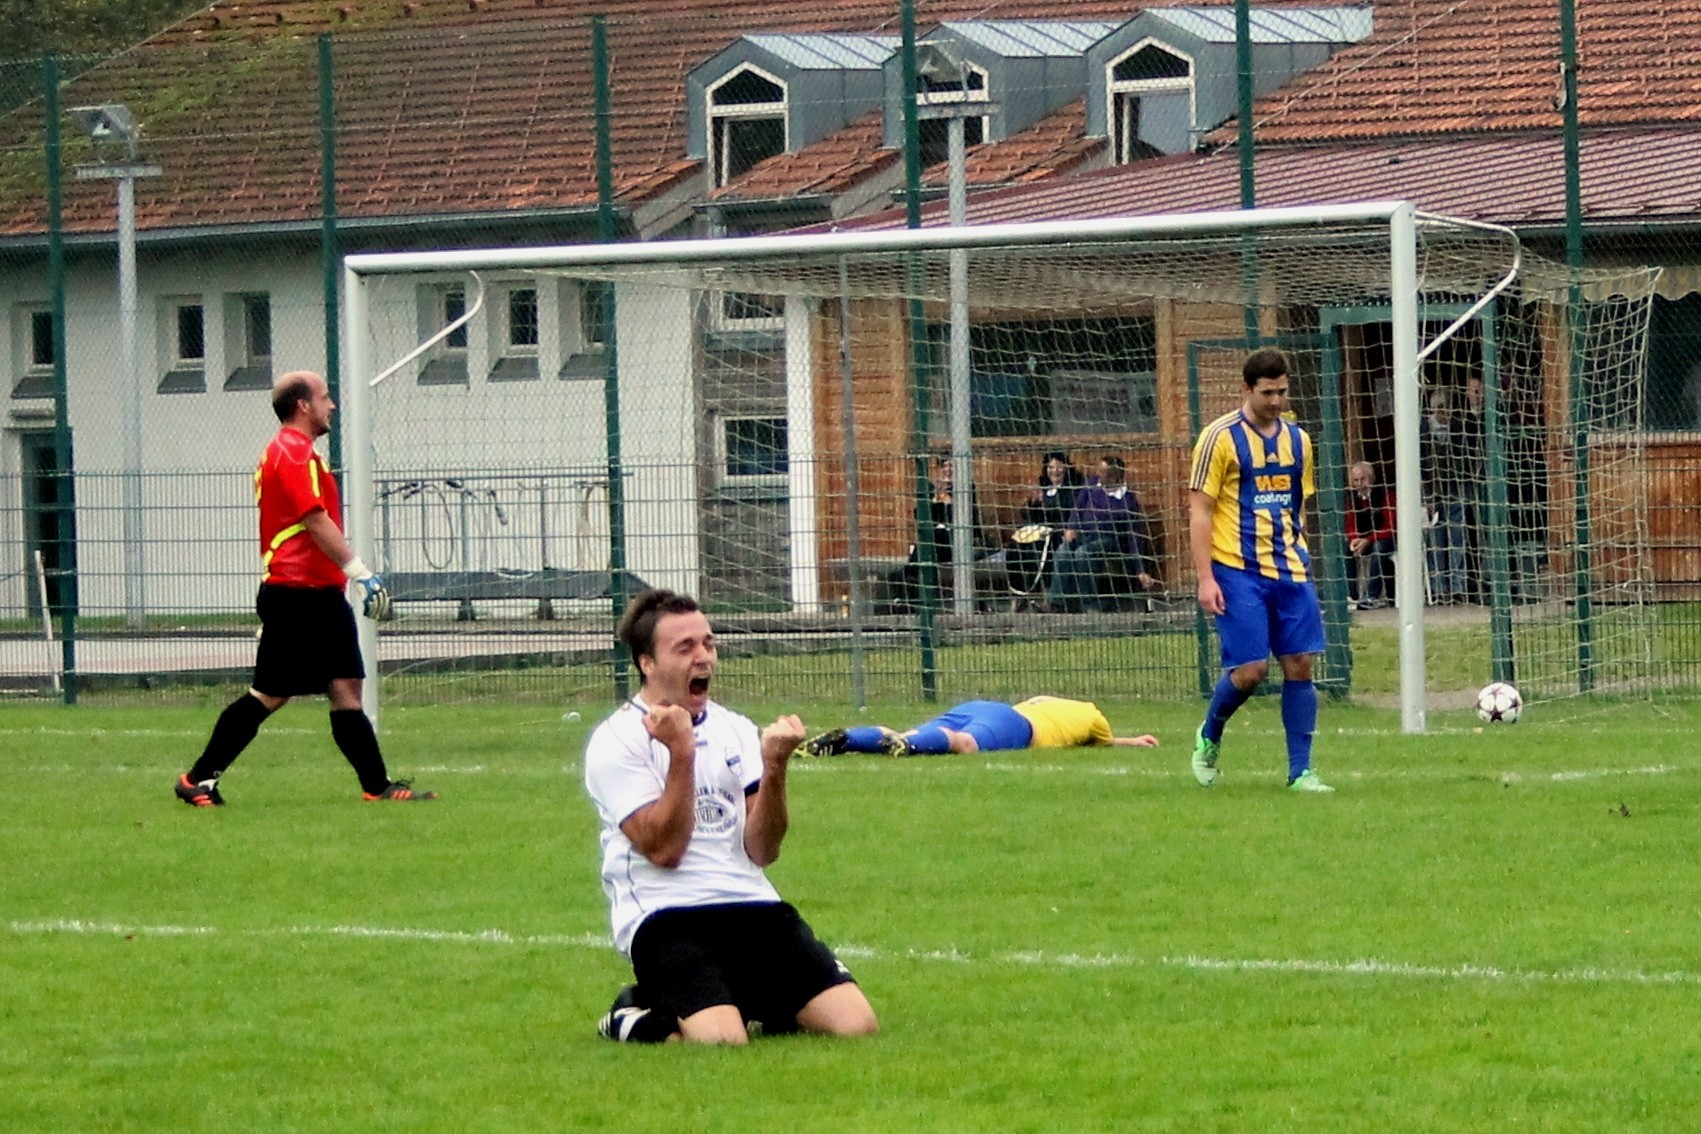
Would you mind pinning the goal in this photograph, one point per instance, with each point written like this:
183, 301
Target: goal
840, 443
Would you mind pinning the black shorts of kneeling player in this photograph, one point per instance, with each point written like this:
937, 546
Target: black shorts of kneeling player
760, 957
307, 640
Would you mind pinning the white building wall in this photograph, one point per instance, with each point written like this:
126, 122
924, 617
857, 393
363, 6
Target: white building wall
529, 455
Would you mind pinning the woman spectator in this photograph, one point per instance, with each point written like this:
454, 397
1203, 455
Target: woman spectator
1046, 515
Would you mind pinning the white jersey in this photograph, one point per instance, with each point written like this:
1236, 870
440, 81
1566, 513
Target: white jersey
625, 770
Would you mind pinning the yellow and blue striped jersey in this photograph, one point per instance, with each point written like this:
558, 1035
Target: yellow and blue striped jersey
1260, 485
1061, 723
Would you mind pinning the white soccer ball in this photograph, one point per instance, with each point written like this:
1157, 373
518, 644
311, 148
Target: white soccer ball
1499, 703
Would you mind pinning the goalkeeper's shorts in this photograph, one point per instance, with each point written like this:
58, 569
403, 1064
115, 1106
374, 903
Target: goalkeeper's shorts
307, 640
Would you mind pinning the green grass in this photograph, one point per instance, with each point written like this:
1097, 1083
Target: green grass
1482, 930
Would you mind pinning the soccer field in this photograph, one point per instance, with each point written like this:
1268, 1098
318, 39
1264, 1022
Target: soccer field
1481, 930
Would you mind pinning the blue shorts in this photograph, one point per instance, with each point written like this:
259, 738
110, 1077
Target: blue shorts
1263, 616
994, 724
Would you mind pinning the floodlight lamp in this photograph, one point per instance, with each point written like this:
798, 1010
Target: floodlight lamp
108, 122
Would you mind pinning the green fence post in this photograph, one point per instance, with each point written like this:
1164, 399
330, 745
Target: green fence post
611, 358
1502, 664
66, 568
1207, 666
1577, 337
330, 251
1331, 461
920, 372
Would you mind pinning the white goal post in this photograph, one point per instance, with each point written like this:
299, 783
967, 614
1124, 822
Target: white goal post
776, 265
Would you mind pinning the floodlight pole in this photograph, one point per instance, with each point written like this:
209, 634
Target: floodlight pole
962, 463
942, 63
103, 123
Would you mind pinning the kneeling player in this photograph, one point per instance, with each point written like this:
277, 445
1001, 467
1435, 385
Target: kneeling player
985, 726
693, 805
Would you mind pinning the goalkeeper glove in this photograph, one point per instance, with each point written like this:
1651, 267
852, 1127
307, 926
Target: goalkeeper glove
374, 597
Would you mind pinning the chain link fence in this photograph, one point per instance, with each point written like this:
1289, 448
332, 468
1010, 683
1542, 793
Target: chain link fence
126, 509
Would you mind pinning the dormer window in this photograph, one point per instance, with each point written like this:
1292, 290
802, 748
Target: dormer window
1151, 103
935, 133
747, 122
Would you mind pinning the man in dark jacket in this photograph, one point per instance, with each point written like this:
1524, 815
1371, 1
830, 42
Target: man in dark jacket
1106, 537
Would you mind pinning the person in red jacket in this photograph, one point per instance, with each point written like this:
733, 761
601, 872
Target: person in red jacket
308, 642
1370, 538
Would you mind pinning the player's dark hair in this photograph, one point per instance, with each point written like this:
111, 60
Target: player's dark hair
638, 624
291, 394
1267, 362
1116, 465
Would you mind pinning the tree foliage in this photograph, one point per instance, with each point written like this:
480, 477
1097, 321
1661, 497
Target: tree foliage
30, 27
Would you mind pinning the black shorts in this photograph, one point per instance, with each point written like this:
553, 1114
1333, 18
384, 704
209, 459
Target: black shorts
758, 956
307, 640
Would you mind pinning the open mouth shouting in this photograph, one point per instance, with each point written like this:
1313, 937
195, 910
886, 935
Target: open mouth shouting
698, 686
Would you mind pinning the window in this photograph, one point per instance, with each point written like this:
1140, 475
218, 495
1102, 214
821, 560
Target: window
1056, 378
747, 122
183, 345
517, 352
935, 133
33, 352
593, 312
257, 327
1151, 103
1674, 363
248, 341
522, 319
753, 449
439, 306
41, 340
746, 311
452, 305
191, 335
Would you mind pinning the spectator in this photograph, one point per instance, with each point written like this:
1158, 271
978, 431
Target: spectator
1370, 539
1105, 540
905, 586
1044, 518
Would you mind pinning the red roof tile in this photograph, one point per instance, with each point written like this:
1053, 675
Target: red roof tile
454, 106
444, 105
1627, 175
1441, 66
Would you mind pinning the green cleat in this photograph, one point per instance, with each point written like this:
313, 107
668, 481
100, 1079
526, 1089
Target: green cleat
1205, 758
1308, 781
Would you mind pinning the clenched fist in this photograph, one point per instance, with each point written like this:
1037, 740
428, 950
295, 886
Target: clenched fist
671, 725
780, 738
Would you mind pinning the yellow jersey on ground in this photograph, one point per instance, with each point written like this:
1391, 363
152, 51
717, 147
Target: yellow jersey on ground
1061, 723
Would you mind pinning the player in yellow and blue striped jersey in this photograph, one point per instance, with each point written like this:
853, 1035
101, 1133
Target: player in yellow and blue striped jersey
1252, 473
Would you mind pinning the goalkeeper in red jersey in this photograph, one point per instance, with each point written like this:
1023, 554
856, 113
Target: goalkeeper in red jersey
308, 643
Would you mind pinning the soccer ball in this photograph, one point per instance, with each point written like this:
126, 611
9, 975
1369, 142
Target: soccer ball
1500, 702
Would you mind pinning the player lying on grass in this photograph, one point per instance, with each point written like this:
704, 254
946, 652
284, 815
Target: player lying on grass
693, 805
985, 726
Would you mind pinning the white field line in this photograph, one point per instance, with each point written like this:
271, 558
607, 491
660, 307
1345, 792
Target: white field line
1363, 967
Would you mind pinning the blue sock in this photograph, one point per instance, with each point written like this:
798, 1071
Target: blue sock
928, 741
1225, 699
864, 739
1299, 719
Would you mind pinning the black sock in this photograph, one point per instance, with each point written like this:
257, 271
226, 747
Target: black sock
237, 725
352, 730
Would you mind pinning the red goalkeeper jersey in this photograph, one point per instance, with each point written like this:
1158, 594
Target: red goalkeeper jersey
290, 484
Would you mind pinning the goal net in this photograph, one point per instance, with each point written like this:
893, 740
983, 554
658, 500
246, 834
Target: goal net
887, 463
